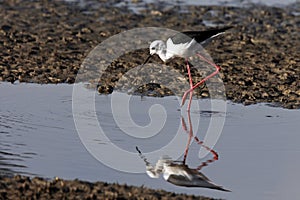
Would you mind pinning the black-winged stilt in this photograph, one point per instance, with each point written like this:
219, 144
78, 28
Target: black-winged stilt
178, 172
184, 45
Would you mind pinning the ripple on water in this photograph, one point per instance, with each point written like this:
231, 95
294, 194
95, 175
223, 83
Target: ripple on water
259, 144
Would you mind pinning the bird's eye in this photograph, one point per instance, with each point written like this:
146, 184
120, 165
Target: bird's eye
153, 48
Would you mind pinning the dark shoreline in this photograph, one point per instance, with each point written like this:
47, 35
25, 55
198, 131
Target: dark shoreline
22, 187
46, 42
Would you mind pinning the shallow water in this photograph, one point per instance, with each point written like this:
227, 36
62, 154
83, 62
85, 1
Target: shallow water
258, 149
139, 6
277, 3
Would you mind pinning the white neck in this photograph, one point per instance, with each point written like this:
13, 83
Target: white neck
164, 55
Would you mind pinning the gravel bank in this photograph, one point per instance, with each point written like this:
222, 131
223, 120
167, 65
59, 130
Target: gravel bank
46, 42
20, 187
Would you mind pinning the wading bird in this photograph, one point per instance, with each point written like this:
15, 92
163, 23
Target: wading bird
184, 45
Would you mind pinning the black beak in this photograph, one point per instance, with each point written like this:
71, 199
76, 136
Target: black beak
147, 59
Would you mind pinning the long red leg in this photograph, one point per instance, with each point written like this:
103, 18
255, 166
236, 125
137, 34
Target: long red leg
191, 134
191, 84
203, 80
213, 152
189, 140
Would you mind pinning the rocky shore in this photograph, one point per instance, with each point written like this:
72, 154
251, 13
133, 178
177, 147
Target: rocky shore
47, 41
20, 187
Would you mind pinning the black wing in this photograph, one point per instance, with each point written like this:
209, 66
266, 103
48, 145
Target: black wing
185, 182
199, 36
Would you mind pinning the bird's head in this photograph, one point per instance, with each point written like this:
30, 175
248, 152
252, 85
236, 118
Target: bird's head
157, 46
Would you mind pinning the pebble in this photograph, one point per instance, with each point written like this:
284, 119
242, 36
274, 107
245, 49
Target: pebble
258, 57
22, 187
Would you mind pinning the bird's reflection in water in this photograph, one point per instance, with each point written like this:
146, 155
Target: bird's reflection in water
178, 172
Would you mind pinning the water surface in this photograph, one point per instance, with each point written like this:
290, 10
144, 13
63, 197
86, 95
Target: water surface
258, 149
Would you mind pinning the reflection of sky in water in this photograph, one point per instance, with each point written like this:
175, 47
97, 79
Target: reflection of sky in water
236, 2
137, 7
258, 149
